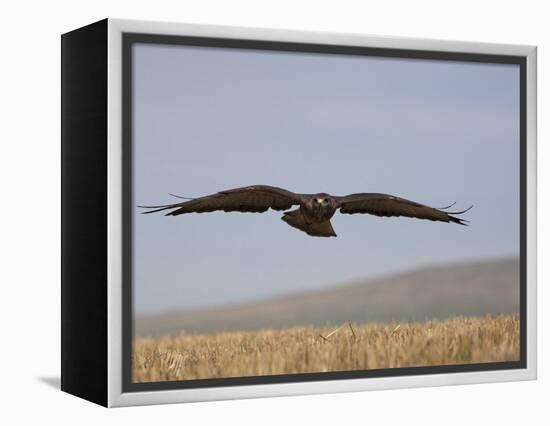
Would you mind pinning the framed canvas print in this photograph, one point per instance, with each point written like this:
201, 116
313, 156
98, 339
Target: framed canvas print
252, 212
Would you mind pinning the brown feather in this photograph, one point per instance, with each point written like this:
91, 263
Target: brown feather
297, 220
256, 199
388, 205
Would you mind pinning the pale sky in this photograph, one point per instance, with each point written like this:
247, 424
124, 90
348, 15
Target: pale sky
208, 119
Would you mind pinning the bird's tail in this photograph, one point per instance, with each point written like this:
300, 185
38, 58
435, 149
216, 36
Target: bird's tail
297, 220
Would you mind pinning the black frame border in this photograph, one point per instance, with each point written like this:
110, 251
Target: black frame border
84, 234
129, 39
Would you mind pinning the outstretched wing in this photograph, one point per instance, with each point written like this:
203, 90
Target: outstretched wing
256, 198
389, 205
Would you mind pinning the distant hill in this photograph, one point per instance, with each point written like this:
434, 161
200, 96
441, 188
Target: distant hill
474, 288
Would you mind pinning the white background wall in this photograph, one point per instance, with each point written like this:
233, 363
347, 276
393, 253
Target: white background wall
30, 198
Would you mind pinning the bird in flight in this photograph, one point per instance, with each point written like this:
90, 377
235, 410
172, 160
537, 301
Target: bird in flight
314, 210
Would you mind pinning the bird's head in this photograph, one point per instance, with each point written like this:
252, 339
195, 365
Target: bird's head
322, 200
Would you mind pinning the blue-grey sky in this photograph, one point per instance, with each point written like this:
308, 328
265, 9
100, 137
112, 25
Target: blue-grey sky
208, 119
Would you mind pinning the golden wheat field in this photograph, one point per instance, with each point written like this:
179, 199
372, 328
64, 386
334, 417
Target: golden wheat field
308, 349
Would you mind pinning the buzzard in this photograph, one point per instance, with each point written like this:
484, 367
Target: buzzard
314, 210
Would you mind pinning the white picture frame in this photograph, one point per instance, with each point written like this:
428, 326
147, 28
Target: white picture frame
106, 385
